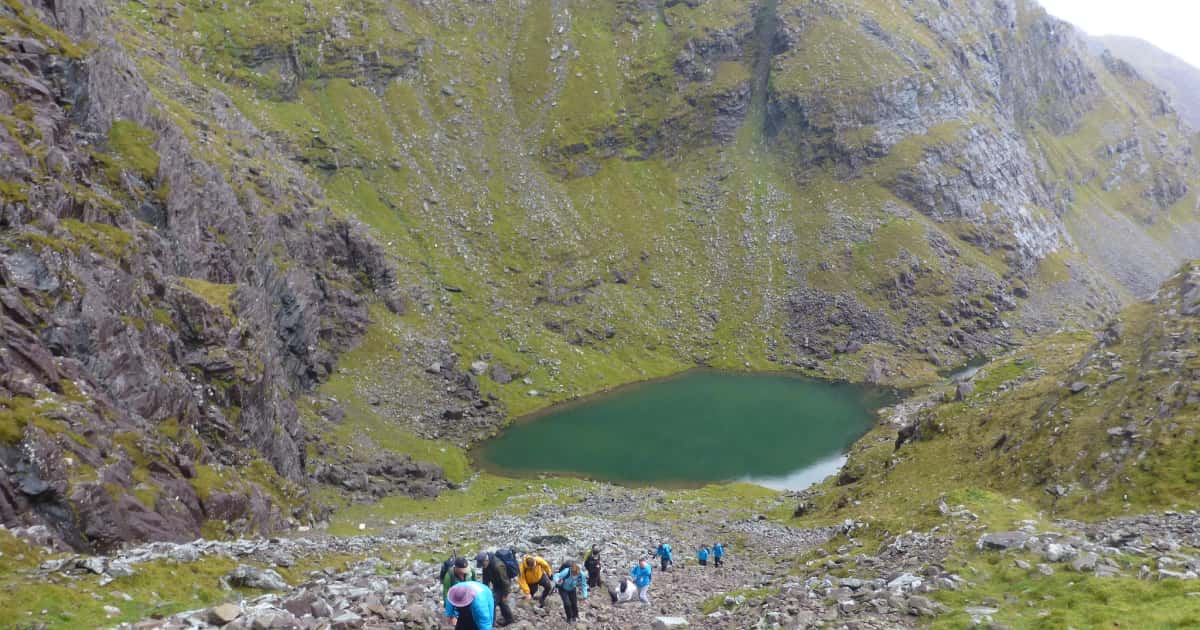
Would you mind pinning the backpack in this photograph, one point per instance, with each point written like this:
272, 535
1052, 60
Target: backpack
510, 562
563, 567
446, 568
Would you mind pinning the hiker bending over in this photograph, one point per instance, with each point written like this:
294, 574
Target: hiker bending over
535, 572
702, 555
591, 562
641, 579
624, 592
571, 582
495, 575
455, 571
718, 552
470, 606
664, 552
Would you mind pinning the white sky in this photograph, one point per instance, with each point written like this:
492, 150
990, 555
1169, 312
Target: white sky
1172, 25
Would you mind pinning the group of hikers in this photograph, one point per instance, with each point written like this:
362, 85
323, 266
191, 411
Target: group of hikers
471, 594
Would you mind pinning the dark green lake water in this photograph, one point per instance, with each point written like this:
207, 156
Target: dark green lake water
778, 430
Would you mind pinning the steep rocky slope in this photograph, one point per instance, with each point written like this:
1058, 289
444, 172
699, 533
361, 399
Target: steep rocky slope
1178, 78
1082, 424
499, 205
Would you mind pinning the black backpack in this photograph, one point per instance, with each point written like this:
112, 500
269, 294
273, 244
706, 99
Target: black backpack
510, 562
446, 567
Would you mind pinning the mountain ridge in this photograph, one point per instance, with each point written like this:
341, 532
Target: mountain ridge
321, 243
1178, 78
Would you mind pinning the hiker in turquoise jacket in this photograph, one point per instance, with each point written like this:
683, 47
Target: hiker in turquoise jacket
702, 555
470, 606
641, 579
571, 583
718, 553
664, 552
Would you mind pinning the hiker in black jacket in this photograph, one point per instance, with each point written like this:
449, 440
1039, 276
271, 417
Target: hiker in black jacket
592, 564
495, 575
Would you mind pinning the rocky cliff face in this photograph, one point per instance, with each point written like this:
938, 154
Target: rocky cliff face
160, 309
1179, 79
205, 204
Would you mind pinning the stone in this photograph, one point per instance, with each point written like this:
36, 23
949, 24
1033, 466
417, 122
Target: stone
1077, 387
1045, 569
924, 607
963, 390
664, 623
111, 611
1085, 562
184, 553
904, 582
247, 576
223, 614
346, 621
479, 367
92, 564
1002, 541
1056, 552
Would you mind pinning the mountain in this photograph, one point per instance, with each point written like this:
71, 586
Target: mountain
259, 259
1178, 78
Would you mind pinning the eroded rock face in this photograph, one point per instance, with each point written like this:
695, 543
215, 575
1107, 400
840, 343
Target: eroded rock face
157, 317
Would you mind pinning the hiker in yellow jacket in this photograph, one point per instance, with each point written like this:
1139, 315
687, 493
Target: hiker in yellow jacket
535, 572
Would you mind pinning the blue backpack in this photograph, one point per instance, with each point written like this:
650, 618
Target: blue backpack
510, 562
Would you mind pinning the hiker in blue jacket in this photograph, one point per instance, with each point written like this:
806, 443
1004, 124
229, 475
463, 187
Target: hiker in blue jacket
718, 552
641, 579
571, 582
470, 606
702, 555
664, 552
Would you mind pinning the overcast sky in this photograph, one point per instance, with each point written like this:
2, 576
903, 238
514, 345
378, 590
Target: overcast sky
1172, 25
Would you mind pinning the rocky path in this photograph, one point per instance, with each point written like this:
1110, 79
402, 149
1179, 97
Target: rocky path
775, 576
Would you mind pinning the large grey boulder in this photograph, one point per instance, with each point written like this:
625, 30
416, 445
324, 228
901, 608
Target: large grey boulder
246, 576
1002, 541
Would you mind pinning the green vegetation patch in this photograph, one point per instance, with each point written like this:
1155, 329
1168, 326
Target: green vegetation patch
484, 495
1027, 599
218, 295
101, 238
133, 145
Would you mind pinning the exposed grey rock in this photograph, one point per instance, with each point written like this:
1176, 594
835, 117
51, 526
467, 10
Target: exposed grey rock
1085, 562
223, 614
1002, 541
253, 577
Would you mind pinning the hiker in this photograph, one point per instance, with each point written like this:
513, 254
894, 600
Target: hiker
494, 574
664, 552
624, 591
702, 555
641, 579
456, 571
591, 562
469, 606
536, 572
718, 552
571, 583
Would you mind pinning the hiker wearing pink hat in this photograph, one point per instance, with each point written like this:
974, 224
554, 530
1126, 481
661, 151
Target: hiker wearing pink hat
470, 606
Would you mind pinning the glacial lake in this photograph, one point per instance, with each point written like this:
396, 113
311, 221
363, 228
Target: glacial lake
776, 430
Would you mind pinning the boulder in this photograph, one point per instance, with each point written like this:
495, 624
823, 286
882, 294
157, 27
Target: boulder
223, 614
663, 623
1002, 541
246, 576
1085, 562
1055, 552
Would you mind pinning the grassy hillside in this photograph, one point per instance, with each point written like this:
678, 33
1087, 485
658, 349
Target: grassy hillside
1081, 425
